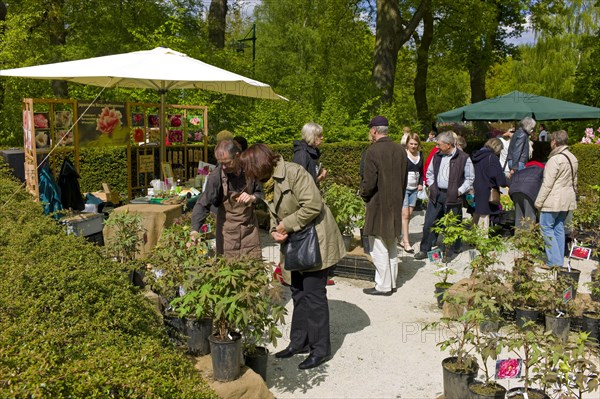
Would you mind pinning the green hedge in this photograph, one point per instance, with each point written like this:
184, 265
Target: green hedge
71, 325
342, 160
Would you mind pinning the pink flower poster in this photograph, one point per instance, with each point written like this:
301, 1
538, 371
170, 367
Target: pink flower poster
103, 124
508, 368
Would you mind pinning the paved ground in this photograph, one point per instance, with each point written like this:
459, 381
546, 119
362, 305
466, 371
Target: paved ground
380, 349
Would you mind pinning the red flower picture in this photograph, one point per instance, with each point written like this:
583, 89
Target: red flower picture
508, 368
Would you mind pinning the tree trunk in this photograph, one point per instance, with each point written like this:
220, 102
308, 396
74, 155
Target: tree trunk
391, 33
420, 94
3, 11
477, 74
58, 38
217, 14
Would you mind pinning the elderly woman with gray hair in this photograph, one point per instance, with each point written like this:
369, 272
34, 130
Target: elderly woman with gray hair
518, 149
307, 153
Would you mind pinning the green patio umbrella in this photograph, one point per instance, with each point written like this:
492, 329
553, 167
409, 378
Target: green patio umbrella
516, 105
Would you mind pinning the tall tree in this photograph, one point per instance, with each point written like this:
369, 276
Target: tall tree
217, 23
420, 82
393, 29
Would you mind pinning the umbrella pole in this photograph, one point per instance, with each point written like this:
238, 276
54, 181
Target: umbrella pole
161, 116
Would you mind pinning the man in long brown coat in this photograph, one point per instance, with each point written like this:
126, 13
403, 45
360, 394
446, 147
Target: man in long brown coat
382, 188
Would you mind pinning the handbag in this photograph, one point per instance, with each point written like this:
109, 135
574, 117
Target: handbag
301, 250
494, 196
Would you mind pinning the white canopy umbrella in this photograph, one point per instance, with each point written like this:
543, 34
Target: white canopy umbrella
161, 69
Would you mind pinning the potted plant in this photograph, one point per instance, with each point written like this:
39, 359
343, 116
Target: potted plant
569, 368
452, 230
525, 282
347, 208
125, 242
558, 305
171, 263
241, 298
532, 348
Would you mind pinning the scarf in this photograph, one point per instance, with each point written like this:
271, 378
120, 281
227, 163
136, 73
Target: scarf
269, 189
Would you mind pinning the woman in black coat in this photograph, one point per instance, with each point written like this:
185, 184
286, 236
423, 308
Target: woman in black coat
488, 175
306, 151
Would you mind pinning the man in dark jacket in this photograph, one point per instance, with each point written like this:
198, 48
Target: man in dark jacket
518, 149
449, 175
382, 188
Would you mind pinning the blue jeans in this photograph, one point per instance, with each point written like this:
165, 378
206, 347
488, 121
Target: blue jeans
553, 229
520, 166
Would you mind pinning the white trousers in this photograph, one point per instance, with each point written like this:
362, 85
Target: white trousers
385, 257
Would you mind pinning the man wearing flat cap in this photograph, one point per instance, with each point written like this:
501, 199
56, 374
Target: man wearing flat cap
382, 188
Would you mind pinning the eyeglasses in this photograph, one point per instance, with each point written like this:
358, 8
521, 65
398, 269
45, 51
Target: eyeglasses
225, 162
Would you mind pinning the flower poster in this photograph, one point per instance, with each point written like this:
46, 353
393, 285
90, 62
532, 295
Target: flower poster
578, 252
508, 368
102, 124
195, 128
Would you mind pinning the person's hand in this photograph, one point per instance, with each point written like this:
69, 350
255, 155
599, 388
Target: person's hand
322, 175
281, 229
246, 198
420, 187
278, 237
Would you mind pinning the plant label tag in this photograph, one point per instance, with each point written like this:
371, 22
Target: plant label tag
567, 295
508, 368
435, 255
579, 252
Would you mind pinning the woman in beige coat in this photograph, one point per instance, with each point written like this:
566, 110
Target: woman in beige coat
294, 201
557, 196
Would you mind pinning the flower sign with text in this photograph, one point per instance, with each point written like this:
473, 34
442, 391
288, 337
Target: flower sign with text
590, 137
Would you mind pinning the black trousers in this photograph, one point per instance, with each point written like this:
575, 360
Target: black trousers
310, 318
433, 213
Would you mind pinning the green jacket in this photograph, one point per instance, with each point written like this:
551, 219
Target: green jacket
296, 202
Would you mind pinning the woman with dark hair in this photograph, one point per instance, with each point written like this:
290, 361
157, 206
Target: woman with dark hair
414, 158
488, 175
294, 201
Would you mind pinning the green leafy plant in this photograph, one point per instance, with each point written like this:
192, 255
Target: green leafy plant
570, 368
347, 207
126, 240
175, 256
586, 219
239, 295
525, 282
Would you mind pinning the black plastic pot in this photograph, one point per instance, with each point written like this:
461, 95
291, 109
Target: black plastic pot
175, 327
226, 357
257, 360
347, 240
198, 332
364, 240
477, 390
572, 275
524, 315
532, 393
440, 290
456, 384
591, 324
558, 325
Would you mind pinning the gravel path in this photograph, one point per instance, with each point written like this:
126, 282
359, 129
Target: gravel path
380, 348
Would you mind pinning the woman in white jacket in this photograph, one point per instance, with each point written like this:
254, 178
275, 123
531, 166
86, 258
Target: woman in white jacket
557, 196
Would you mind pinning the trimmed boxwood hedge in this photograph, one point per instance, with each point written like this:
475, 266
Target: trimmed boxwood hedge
71, 324
109, 164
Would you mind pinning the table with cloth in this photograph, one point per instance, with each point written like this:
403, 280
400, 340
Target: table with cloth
155, 217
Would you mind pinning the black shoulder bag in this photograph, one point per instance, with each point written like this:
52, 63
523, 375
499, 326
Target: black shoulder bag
301, 250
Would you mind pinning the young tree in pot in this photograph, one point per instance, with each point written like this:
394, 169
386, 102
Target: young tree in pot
570, 369
524, 280
452, 230
531, 347
172, 264
239, 294
558, 306
461, 368
125, 242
